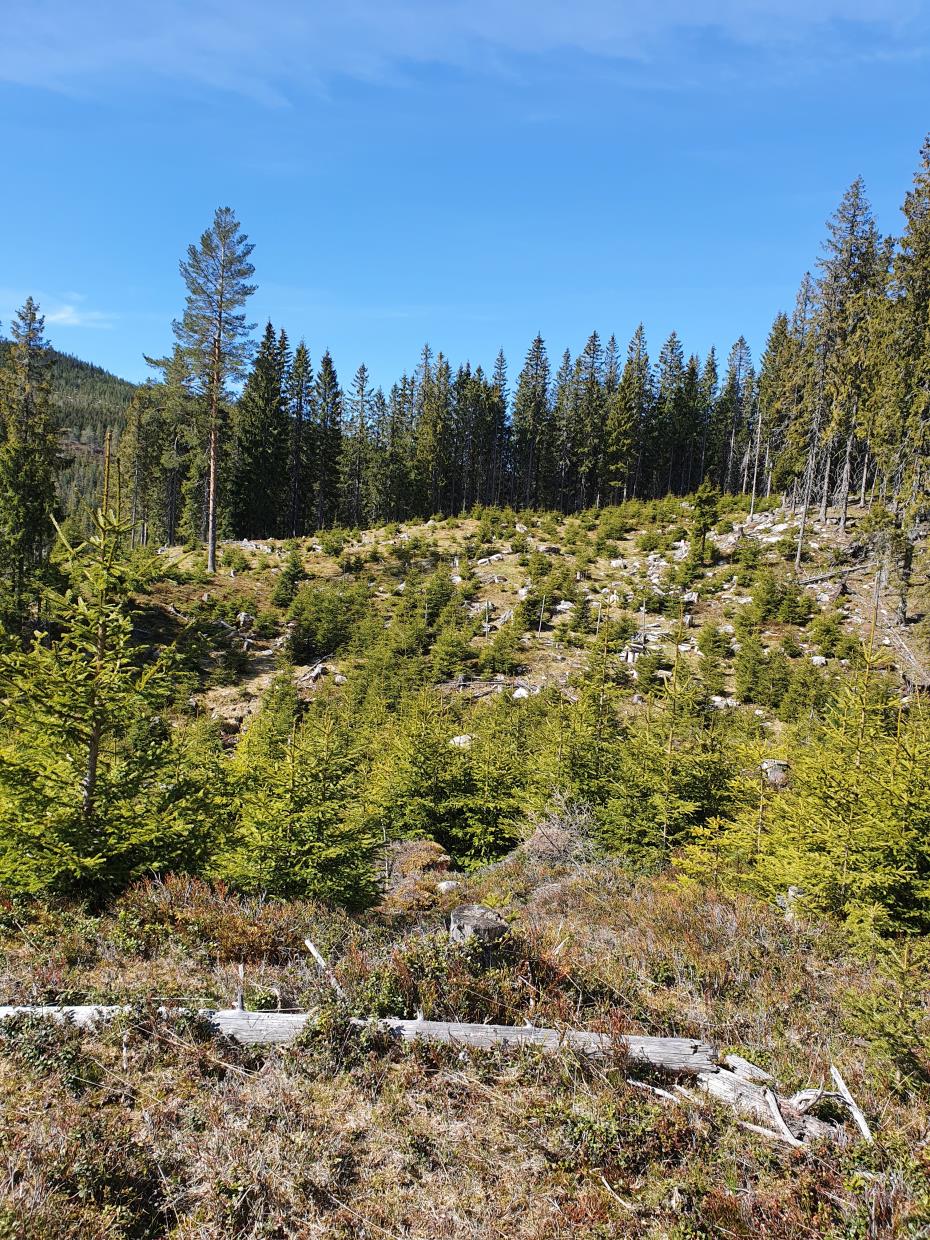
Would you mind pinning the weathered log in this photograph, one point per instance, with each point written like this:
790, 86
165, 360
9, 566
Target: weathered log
675, 1055
756, 1100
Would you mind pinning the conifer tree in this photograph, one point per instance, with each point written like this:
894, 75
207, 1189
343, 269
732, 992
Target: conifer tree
355, 463
629, 416
29, 461
300, 447
532, 450
259, 434
215, 336
96, 789
327, 442
301, 835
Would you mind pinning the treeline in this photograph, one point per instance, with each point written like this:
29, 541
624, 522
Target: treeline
837, 410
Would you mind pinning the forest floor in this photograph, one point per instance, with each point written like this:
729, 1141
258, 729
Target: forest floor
152, 1127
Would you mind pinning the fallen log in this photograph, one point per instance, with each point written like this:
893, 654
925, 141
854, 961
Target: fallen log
745, 1090
686, 1056
758, 1101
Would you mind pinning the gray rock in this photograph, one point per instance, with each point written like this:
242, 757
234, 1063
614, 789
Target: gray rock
475, 922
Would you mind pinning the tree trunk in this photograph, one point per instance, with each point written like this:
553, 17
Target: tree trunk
844, 482
825, 493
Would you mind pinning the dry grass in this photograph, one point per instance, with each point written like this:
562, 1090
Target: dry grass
347, 1137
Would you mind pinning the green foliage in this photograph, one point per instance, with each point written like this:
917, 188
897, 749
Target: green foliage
96, 788
851, 828
324, 618
501, 655
300, 833
465, 795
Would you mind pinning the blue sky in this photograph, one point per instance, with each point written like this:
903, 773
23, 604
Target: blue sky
465, 174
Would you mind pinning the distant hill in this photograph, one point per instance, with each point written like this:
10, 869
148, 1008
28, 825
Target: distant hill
88, 401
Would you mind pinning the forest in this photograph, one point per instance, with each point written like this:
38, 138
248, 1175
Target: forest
635, 652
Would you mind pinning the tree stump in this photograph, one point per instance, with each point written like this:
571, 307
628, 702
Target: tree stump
471, 922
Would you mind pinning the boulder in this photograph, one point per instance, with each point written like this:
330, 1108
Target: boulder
474, 922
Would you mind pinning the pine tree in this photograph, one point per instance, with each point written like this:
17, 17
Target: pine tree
29, 462
215, 336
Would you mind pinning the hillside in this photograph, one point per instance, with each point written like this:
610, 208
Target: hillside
566, 713
86, 402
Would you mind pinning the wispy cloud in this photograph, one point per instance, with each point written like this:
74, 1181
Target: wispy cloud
272, 53
60, 310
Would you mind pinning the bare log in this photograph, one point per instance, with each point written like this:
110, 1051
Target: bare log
676, 1055
754, 1100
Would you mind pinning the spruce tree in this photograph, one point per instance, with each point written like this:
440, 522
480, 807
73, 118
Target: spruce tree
355, 458
259, 434
29, 461
532, 430
96, 788
327, 442
300, 448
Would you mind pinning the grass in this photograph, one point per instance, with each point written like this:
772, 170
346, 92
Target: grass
150, 1128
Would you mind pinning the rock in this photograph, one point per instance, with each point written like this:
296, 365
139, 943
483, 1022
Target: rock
564, 606
447, 885
521, 529
520, 693
244, 621
775, 771
475, 922
339, 679
461, 742
818, 660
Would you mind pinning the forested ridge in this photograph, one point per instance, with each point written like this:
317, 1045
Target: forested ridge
635, 654
833, 411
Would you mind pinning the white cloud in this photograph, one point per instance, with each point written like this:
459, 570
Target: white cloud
272, 52
61, 310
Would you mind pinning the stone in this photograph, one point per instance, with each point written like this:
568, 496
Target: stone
461, 742
775, 771
520, 694
471, 922
447, 885
818, 660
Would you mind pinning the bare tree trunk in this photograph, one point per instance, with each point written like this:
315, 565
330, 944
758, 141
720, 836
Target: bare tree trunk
865, 470
844, 482
825, 493
214, 448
